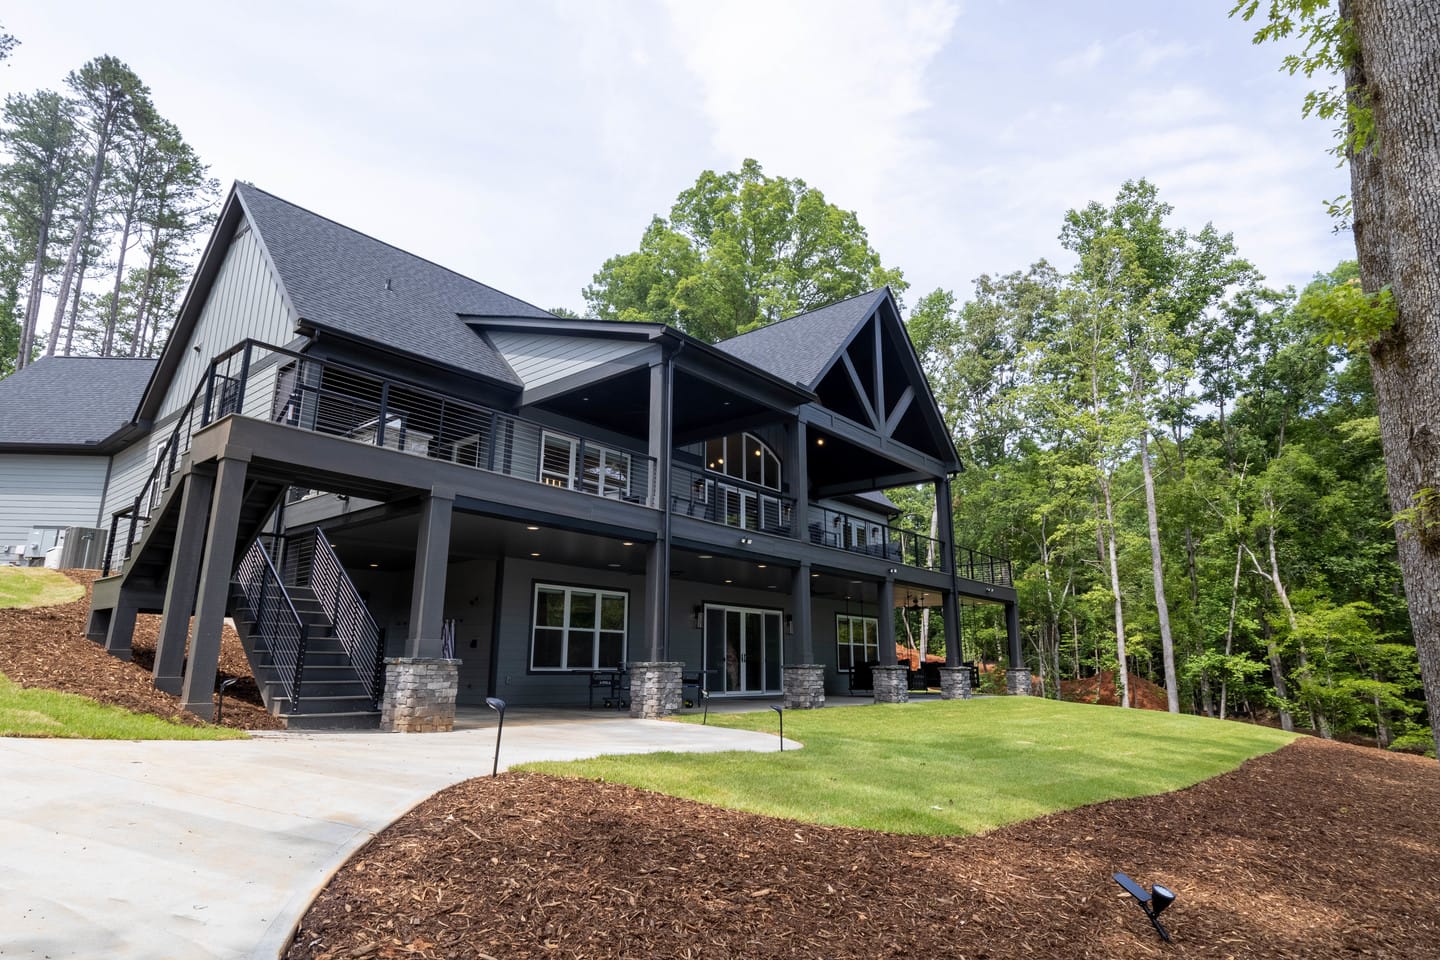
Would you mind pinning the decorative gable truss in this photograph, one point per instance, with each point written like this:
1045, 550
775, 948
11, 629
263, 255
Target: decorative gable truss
876, 380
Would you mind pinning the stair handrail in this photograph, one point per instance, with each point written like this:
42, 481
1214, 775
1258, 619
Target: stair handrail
277, 622
166, 460
355, 628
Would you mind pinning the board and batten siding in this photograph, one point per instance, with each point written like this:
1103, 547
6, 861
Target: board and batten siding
245, 303
48, 490
538, 358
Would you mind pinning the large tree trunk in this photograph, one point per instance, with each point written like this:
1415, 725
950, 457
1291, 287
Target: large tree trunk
82, 237
1122, 671
1395, 187
32, 301
1230, 625
1157, 567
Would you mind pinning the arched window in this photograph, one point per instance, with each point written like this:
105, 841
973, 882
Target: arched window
744, 456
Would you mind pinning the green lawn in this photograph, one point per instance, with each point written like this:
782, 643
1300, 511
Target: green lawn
944, 767
23, 587
46, 713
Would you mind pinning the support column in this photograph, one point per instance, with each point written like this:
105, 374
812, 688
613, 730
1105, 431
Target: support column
950, 601
802, 678
197, 692
799, 472
890, 677
120, 631
657, 556
1017, 677
180, 590
427, 596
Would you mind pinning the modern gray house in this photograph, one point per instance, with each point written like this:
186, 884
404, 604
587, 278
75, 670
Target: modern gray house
411, 490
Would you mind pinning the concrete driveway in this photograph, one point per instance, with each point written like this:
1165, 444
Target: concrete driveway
178, 850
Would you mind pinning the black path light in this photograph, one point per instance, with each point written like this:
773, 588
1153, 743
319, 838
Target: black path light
705, 717
498, 705
781, 714
220, 707
1153, 902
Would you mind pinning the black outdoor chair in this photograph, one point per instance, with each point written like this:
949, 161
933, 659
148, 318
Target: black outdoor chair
862, 677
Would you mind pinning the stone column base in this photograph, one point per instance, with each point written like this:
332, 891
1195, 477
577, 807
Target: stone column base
891, 684
419, 695
804, 685
1017, 682
655, 688
955, 683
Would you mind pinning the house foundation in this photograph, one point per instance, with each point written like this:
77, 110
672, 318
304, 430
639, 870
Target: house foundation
419, 695
655, 688
891, 684
955, 683
804, 686
1017, 682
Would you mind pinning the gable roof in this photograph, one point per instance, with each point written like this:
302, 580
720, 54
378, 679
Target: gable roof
70, 401
342, 280
801, 348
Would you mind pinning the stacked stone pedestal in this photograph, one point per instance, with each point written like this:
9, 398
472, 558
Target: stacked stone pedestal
955, 683
419, 695
1017, 682
804, 686
891, 683
655, 689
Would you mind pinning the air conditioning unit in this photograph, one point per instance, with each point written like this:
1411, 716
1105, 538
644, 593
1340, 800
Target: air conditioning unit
82, 548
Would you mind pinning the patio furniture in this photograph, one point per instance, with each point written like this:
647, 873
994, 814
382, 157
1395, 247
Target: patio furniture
615, 683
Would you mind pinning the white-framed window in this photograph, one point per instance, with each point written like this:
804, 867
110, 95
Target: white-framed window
601, 470
744, 456
857, 640
578, 628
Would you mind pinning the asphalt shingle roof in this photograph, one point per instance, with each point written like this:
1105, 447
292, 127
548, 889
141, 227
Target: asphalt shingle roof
71, 401
799, 348
336, 278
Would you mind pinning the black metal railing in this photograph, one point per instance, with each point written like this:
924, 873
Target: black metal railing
734, 503
278, 626
350, 618
981, 567
872, 537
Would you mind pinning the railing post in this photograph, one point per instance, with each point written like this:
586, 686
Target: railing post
244, 377
384, 413
134, 518
579, 478
300, 666
110, 544
209, 394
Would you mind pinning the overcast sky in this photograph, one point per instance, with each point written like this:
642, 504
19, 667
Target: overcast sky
524, 143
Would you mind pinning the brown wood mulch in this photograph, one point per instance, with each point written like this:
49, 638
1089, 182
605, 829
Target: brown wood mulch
46, 647
1319, 850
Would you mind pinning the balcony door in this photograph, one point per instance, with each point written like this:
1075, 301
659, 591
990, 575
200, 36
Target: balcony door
742, 650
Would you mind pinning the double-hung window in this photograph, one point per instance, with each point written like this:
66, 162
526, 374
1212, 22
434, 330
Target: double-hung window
857, 640
578, 628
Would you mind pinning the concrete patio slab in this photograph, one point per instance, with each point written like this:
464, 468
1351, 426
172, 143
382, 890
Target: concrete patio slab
181, 850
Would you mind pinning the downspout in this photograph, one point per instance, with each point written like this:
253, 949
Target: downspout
104, 493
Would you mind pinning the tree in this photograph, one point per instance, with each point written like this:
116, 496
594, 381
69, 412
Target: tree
110, 97
738, 251
1389, 52
39, 132
8, 43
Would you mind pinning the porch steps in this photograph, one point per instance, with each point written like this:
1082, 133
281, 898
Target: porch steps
332, 693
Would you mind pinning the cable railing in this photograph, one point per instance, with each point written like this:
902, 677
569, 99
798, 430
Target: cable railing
277, 623
866, 535
983, 568
734, 503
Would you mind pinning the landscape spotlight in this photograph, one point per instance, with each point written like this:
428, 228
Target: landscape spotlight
781, 714
1153, 902
498, 705
220, 707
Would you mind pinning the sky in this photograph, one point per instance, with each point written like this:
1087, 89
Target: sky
522, 144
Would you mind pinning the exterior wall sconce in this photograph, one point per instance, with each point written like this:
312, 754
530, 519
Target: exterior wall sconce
746, 541
789, 625
697, 617
894, 570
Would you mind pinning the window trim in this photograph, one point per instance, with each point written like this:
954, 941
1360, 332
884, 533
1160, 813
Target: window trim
861, 619
746, 438
600, 593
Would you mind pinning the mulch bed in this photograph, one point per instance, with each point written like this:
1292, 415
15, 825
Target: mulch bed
1320, 850
46, 647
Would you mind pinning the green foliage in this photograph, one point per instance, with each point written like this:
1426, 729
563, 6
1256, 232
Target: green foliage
943, 767
740, 250
1351, 317
46, 713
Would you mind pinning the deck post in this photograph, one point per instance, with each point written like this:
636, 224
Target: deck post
950, 600
1017, 677
890, 677
197, 690
803, 678
185, 561
120, 631
427, 597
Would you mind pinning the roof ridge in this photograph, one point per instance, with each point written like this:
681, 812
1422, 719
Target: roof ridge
374, 239
801, 316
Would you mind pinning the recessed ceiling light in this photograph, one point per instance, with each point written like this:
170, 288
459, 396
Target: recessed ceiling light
771, 587
532, 528
534, 554
374, 566
729, 581
819, 441
760, 565
627, 543
613, 566
814, 575
706, 556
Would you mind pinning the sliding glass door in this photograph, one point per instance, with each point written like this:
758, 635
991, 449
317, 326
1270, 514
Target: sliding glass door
742, 649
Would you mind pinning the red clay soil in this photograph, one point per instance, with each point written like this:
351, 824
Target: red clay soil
1319, 850
1101, 688
46, 647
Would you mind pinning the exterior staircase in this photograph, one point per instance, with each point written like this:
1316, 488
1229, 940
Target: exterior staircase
332, 693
